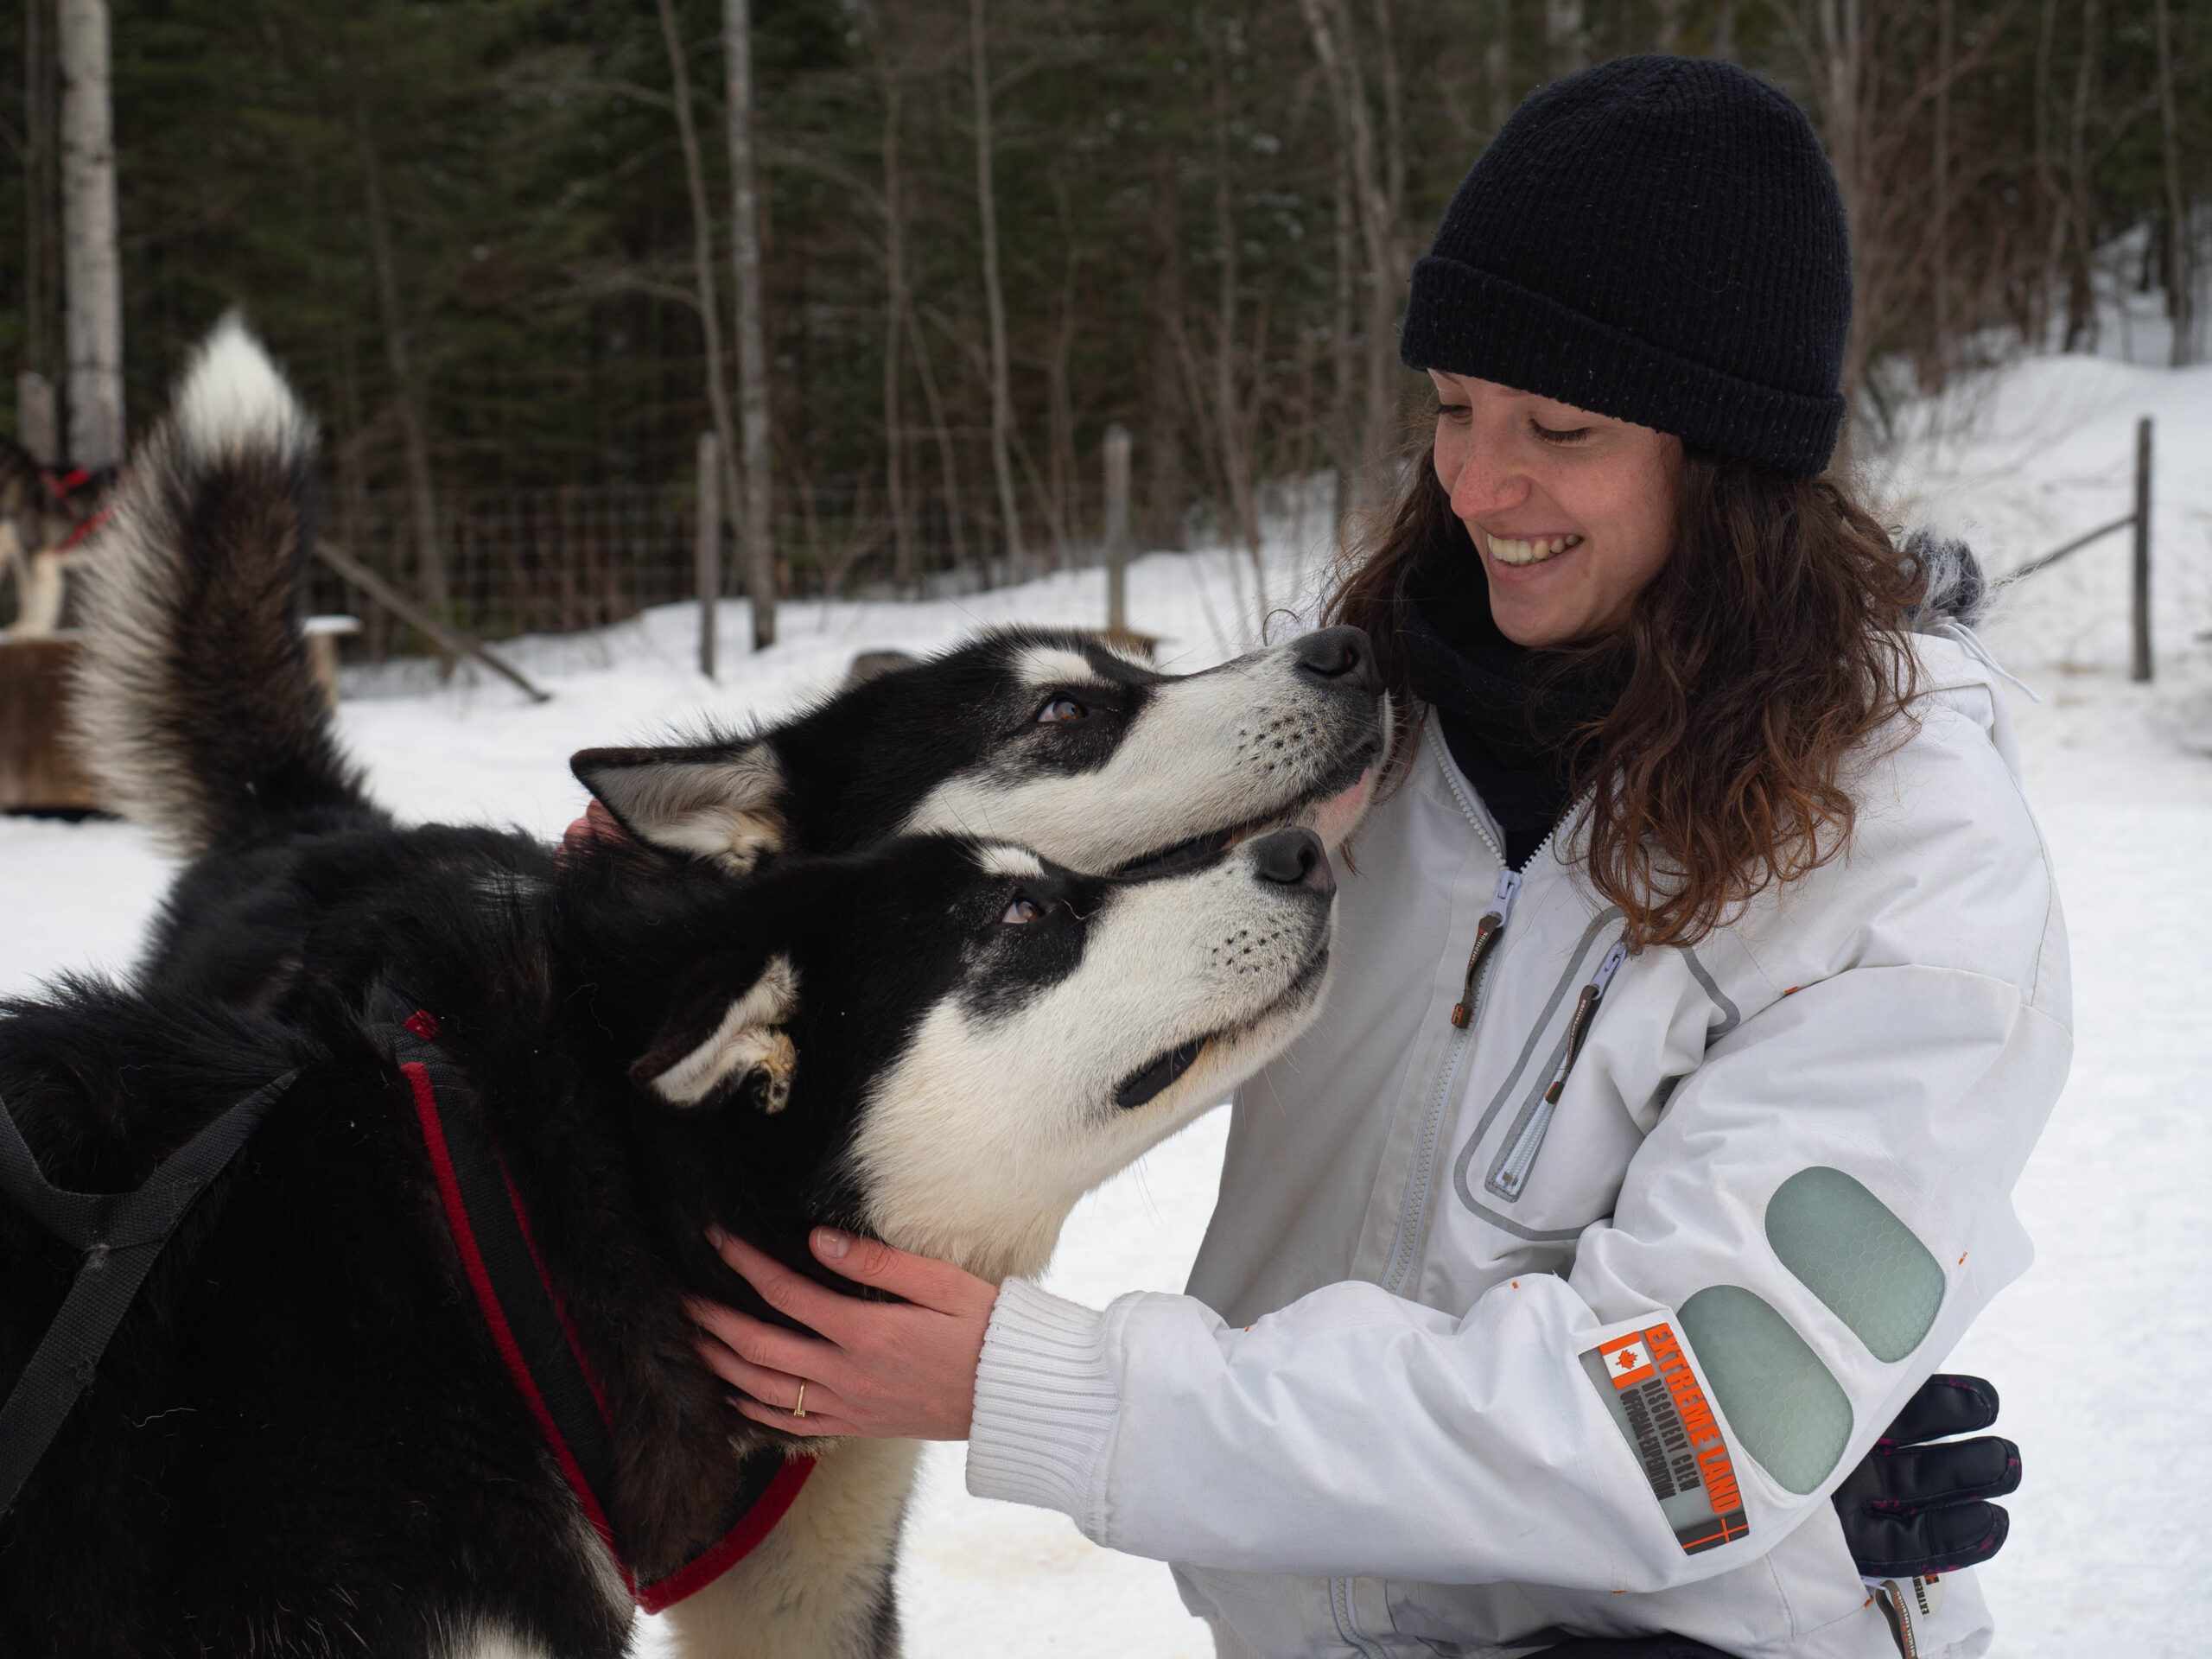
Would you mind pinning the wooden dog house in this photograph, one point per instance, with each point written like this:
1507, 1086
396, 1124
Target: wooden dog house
38, 771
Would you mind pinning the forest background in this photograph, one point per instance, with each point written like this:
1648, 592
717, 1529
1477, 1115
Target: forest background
988, 229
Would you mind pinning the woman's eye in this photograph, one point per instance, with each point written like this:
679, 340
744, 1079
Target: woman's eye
1571, 435
1061, 710
1453, 411
1021, 911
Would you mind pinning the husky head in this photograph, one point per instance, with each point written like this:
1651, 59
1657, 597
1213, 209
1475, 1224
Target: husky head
944, 1043
1051, 740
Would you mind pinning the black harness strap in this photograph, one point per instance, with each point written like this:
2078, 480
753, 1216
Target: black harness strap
121, 1235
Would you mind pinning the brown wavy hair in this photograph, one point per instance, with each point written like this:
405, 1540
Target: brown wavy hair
1768, 649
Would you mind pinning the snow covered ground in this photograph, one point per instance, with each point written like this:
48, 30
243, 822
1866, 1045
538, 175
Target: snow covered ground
2096, 1351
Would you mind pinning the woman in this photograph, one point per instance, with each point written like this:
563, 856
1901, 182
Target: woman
1701, 991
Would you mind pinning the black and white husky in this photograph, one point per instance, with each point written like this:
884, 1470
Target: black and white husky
822, 979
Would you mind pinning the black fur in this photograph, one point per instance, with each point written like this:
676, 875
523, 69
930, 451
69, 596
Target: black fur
304, 1442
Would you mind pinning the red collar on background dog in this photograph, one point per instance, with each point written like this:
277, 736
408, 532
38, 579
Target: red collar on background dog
531, 1330
62, 486
83, 532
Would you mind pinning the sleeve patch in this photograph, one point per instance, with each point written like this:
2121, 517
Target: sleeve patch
1646, 1381
1851, 1250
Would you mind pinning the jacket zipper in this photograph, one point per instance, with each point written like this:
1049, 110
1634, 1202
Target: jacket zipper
1412, 1209
1414, 1206
1512, 1174
1411, 1212
1488, 931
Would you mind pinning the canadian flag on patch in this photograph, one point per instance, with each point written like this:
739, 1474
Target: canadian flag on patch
1628, 1362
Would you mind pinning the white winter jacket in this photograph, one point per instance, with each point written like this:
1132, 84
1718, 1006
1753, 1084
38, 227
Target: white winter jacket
1471, 1362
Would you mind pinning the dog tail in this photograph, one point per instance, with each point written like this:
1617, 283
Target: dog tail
196, 707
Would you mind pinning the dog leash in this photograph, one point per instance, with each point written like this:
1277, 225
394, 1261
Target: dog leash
531, 1330
120, 1236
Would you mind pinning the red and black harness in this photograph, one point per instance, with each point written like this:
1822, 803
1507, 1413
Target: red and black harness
61, 486
536, 1340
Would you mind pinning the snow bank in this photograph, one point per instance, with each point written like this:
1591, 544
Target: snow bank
2022, 458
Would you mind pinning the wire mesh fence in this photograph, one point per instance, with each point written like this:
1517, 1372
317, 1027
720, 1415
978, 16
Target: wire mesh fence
581, 557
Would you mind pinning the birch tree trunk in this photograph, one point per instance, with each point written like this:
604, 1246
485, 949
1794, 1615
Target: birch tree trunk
994, 299
1382, 185
1165, 486
948, 457
2050, 213
414, 429
1840, 95
1564, 36
1394, 137
93, 279
1332, 48
1059, 404
37, 430
41, 190
1498, 64
1228, 407
759, 554
1721, 43
894, 317
2080, 308
2180, 297
1940, 253
702, 267
1343, 432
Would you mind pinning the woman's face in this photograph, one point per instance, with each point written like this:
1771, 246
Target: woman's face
1572, 512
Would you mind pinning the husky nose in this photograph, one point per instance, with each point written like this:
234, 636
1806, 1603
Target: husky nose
1341, 654
1294, 858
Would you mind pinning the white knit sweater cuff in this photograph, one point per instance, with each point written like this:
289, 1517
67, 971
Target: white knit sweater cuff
1044, 1403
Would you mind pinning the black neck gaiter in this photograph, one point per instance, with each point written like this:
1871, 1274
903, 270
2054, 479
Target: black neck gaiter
1505, 711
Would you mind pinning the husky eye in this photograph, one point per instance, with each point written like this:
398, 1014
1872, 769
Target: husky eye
1060, 711
1020, 912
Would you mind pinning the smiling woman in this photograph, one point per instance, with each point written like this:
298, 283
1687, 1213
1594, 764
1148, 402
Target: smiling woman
1572, 513
1514, 1330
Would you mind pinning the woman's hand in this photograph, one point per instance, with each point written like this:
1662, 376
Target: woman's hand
881, 1370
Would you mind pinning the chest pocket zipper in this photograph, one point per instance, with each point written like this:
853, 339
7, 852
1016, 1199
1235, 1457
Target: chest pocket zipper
1510, 1175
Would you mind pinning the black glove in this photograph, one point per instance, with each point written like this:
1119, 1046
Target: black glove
1911, 1508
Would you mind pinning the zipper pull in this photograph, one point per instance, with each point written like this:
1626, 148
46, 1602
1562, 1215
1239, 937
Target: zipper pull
1609, 967
1487, 936
1586, 1011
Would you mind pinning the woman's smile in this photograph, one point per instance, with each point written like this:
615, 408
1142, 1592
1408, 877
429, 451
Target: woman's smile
1573, 512
1521, 551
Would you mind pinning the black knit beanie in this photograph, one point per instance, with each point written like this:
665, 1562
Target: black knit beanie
1659, 239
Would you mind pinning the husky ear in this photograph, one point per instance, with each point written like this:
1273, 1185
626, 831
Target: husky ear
705, 1046
725, 802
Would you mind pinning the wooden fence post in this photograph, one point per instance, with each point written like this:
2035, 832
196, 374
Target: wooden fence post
2141, 669
1117, 527
709, 546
